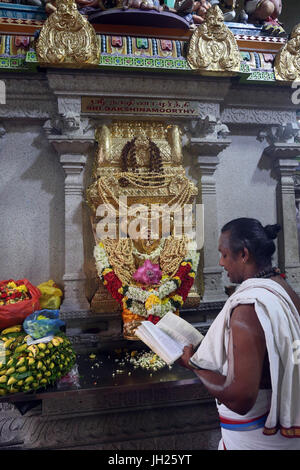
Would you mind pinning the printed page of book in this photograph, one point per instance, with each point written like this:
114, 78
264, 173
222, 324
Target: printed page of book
162, 344
180, 330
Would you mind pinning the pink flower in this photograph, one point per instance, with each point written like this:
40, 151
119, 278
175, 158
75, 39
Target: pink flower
148, 273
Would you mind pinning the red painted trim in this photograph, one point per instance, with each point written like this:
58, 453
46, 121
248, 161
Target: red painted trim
240, 421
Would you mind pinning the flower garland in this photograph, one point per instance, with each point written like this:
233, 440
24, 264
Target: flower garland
10, 293
150, 303
155, 253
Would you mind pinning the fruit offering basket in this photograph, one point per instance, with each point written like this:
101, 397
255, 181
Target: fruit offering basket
27, 365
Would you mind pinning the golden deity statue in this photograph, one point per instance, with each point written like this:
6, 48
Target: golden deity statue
143, 252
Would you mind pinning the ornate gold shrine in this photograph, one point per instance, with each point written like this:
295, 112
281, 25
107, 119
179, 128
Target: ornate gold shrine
155, 149
141, 161
213, 48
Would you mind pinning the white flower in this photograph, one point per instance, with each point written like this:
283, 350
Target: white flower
139, 309
166, 288
192, 245
160, 310
101, 259
194, 256
147, 360
136, 293
153, 255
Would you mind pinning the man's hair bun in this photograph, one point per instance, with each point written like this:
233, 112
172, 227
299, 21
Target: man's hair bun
272, 231
249, 233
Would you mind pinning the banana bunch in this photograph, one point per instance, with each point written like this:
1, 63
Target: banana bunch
26, 367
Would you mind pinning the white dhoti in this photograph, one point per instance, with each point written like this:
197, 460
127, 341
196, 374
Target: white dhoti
274, 420
247, 432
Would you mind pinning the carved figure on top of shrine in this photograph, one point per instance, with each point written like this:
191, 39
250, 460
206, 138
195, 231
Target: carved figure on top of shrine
266, 13
56, 44
142, 4
47, 4
88, 6
192, 11
84, 6
195, 11
36, 3
228, 8
287, 61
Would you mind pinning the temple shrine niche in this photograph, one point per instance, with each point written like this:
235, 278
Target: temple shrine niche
140, 163
112, 104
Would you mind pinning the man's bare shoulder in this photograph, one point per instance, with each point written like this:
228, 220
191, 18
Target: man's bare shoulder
244, 315
243, 310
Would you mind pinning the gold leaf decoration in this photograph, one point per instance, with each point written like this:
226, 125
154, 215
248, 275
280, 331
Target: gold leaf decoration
213, 47
287, 61
67, 38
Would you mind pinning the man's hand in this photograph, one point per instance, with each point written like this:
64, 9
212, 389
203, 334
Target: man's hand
184, 360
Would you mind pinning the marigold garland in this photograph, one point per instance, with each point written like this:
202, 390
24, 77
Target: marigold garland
149, 303
11, 293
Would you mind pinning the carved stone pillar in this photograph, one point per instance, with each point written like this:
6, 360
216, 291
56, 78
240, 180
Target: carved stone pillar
284, 147
208, 138
288, 240
73, 156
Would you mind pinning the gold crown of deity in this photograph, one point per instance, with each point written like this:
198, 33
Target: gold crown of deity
142, 161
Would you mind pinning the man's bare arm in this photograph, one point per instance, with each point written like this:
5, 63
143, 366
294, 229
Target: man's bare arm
238, 390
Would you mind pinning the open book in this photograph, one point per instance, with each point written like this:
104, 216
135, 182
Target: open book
169, 336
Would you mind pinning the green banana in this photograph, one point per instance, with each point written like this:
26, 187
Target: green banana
20, 362
11, 381
33, 349
41, 364
29, 379
12, 329
10, 362
21, 348
8, 342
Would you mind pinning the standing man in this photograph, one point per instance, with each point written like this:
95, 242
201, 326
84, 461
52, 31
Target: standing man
248, 359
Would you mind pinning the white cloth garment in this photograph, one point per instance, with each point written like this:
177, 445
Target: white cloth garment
280, 321
253, 439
